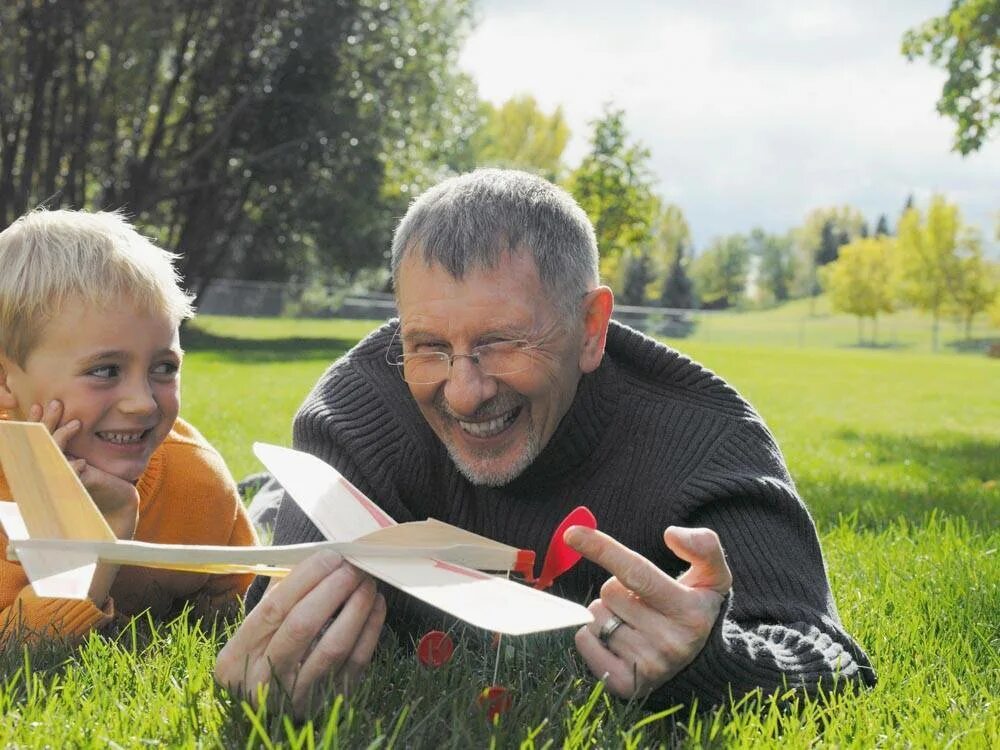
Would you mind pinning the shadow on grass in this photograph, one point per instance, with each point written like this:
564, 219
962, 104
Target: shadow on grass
237, 349
973, 346
944, 473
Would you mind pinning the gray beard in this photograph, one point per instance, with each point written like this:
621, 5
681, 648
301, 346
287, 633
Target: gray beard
498, 478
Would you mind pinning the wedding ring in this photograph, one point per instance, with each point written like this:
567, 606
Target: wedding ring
608, 629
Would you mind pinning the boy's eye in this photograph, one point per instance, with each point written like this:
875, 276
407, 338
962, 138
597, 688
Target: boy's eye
105, 371
166, 368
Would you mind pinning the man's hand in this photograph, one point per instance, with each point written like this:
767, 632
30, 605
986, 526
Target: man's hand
319, 625
665, 621
116, 498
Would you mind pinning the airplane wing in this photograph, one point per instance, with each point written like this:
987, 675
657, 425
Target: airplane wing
338, 508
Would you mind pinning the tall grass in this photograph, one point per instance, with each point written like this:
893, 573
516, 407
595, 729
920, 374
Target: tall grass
897, 454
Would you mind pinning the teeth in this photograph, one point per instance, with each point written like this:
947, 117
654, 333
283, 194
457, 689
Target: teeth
488, 429
122, 438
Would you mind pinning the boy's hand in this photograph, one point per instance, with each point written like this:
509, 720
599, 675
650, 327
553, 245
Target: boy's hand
117, 499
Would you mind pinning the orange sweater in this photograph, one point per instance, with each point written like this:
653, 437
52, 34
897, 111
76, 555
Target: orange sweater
186, 496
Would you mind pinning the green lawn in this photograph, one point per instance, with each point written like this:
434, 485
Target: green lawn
897, 453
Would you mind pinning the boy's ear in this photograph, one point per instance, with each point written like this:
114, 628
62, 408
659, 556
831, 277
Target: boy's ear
598, 305
8, 401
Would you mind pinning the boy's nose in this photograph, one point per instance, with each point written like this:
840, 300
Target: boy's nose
138, 399
467, 387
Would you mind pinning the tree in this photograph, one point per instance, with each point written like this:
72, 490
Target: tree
637, 277
251, 137
613, 185
720, 273
519, 135
975, 285
965, 41
819, 239
671, 234
929, 268
678, 289
882, 227
776, 263
860, 280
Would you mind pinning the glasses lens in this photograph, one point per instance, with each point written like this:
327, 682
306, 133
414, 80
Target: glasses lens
421, 369
504, 358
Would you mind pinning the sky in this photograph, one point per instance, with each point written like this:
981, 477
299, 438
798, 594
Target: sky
754, 112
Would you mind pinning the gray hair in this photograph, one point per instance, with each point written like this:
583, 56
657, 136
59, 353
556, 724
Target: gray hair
467, 222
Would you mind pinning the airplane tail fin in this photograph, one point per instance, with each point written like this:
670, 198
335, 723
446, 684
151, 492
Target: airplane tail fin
51, 503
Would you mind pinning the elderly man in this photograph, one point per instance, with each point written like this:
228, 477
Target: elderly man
503, 397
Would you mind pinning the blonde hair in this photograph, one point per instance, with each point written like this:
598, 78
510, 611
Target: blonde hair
50, 257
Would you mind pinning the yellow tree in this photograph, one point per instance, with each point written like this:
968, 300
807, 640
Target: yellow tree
860, 281
929, 267
518, 134
975, 284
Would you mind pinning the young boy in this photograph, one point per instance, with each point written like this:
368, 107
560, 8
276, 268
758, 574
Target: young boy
89, 346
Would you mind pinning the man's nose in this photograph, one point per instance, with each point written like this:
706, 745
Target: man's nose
467, 387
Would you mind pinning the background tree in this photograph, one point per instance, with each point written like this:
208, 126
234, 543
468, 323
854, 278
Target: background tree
775, 264
636, 278
251, 137
965, 41
928, 258
817, 242
860, 281
720, 272
975, 284
882, 227
613, 185
519, 135
670, 234
678, 288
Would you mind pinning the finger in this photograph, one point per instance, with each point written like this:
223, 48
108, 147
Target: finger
52, 415
64, 433
634, 571
35, 413
604, 663
269, 615
701, 548
293, 640
332, 651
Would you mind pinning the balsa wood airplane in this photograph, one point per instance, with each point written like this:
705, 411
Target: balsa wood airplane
59, 535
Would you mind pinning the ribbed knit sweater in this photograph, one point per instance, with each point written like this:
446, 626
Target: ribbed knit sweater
186, 496
652, 439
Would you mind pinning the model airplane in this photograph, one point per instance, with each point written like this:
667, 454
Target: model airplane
59, 535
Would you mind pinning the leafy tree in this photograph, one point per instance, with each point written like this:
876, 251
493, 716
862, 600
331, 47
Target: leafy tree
860, 281
776, 263
975, 285
637, 277
518, 134
965, 41
818, 240
251, 137
671, 234
720, 273
993, 311
678, 289
929, 260
613, 185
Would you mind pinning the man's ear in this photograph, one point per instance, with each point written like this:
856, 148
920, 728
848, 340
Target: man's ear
8, 401
598, 304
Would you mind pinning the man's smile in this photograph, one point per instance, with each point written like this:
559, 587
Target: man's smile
492, 427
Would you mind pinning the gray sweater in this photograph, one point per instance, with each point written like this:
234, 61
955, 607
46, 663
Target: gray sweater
651, 439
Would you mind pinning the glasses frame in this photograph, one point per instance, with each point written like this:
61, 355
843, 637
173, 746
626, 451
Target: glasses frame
399, 361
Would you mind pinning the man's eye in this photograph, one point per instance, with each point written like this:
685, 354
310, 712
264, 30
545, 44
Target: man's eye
430, 346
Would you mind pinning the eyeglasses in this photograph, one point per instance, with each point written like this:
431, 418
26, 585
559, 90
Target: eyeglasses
499, 358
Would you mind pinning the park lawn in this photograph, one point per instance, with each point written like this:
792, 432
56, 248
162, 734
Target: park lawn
897, 454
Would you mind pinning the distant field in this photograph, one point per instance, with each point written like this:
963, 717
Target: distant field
896, 452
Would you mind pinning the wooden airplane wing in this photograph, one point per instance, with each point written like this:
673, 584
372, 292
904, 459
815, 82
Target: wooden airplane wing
333, 504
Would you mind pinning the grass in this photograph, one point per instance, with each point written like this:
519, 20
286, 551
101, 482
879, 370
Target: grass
896, 452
